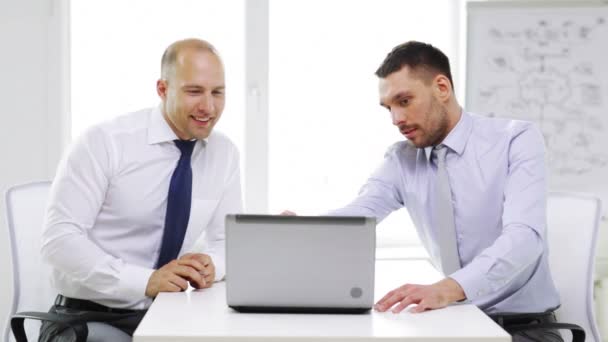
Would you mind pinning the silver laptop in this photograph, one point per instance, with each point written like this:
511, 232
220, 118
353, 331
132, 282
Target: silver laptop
300, 263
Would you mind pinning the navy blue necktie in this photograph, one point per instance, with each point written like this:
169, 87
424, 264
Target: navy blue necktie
178, 205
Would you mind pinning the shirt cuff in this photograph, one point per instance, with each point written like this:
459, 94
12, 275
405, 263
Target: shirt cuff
133, 281
472, 281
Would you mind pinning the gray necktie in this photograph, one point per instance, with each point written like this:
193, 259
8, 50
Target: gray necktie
444, 212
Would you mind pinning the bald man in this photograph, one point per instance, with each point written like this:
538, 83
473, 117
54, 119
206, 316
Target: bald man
138, 204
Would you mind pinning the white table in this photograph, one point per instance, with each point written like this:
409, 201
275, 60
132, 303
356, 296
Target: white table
202, 315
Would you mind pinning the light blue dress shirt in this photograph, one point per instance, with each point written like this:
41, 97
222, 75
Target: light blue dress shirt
496, 169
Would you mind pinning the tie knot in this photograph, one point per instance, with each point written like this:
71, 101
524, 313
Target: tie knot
438, 153
185, 146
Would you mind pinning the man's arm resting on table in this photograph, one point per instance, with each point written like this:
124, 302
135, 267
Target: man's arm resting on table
175, 275
428, 297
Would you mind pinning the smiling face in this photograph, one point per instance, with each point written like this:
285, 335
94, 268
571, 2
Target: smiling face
193, 94
417, 105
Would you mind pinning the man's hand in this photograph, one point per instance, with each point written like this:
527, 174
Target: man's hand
427, 297
174, 277
203, 265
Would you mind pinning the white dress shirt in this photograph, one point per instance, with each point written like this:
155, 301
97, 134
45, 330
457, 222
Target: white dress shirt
107, 205
496, 169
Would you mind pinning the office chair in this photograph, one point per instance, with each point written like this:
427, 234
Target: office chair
32, 291
572, 227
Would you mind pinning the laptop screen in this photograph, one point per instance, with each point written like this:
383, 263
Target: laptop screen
300, 263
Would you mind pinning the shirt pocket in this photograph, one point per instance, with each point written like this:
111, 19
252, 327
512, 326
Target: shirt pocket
202, 211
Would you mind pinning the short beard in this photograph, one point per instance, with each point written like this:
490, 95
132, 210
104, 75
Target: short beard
439, 131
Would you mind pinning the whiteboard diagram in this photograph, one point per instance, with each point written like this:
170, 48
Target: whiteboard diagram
547, 64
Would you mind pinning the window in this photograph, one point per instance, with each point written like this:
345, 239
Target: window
117, 46
327, 132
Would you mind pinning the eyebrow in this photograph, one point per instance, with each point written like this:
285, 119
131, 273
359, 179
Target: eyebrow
396, 97
194, 86
400, 95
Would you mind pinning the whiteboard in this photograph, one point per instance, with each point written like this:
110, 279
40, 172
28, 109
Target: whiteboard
548, 63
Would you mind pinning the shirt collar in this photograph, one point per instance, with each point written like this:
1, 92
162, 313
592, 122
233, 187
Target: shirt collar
458, 137
159, 130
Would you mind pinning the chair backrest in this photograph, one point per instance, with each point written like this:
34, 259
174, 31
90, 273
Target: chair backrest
572, 227
32, 291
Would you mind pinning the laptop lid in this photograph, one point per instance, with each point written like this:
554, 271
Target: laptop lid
300, 263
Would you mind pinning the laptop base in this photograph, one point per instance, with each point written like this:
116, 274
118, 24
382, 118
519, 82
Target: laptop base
298, 310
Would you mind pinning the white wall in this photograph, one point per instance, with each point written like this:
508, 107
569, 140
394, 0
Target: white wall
31, 116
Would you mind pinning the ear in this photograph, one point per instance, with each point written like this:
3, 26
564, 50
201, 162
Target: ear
442, 88
162, 88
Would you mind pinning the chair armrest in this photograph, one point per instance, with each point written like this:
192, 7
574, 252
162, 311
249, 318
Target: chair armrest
578, 333
75, 323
